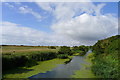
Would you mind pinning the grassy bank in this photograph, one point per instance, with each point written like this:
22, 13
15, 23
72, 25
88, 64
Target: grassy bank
106, 61
42, 67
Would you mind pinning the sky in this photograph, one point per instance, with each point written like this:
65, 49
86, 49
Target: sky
58, 23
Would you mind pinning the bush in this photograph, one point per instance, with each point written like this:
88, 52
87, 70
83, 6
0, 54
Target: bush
31, 62
75, 48
62, 56
52, 47
112, 47
106, 66
7, 63
82, 53
81, 50
65, 50
20, 61
12, 61
43, 56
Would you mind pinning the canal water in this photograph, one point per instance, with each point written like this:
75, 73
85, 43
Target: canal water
64, 70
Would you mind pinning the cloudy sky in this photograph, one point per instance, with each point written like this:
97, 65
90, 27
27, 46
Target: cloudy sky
56, 23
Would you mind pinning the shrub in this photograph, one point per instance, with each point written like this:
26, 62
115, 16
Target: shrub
82, 53
31, 62
62, 56
43, 56
52, 47
112, 47
20, 61
65, 50
75, 48
106, 66
12, 61
7, 63
83, 48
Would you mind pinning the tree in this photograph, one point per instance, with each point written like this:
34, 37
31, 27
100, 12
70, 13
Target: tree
52, 47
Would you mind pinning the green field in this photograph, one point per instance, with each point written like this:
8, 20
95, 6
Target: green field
24, 50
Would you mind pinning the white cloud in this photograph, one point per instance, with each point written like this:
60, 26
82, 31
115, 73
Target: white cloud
46, 6
78, 31
66, 11
87, 27
98, 9
75, 24
83, 28
9, 5
16, 34
26, 9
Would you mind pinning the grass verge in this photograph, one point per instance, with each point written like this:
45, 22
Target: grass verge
42, 67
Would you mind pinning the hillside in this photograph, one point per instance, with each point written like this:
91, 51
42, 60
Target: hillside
105, 63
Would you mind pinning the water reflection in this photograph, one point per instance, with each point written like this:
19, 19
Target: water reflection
64, 70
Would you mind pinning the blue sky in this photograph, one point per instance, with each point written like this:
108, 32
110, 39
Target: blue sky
12, 15
111, 7
53, 19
